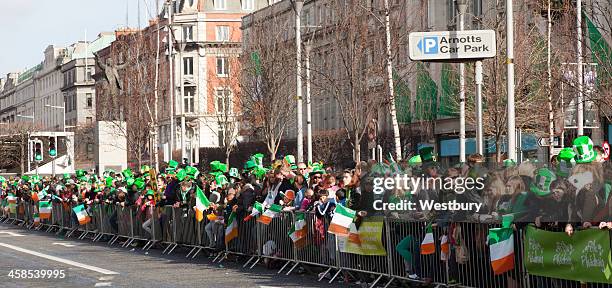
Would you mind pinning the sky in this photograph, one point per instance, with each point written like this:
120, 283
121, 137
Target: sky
29, 26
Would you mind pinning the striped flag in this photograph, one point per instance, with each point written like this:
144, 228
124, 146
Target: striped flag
231, 231
444, 248
36, 219
257, 209
267, 216
298, 231
35, 197
353, 235
501, 245
81, 214
11, 198
428, 246
44, 209
340, 223
202, 204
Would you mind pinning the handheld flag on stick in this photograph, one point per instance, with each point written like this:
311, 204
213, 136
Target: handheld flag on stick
501, 246
428, 246
81, 214
202, 204
298, 231
267, 216
257, 209
44, 209
231, 231
340, 223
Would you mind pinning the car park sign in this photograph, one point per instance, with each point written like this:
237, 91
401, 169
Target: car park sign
450, 45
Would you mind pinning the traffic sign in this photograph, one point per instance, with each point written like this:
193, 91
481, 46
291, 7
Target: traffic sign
449, 45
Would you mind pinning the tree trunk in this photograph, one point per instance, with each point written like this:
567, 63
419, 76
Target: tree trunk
23, 157
498, 148
356, 148
227, 160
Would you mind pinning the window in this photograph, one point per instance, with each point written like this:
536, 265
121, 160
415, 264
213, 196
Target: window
90, 149
222, 33
219, 4
88, 74
221, 134
223, 101
248, 4
88, 120
188, 100
222, 69
188, 66
89, 98
188, 33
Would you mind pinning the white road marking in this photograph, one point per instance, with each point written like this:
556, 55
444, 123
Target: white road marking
61, 260
103, 284
106, 278
63, 244
11, 234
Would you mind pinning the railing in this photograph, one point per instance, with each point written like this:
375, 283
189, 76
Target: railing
466, 265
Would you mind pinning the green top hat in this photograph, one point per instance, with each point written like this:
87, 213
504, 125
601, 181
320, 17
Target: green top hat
129, 182
426, 154
415, 160
80, 173
25, 178
541, 184
257, 159
259, 172
566, 161
221, 180
192, 172
172, 164
150, 192
249, 164
509, 163
127, 173
109, 181
290, 159
140, 183
583, 147
217, 166
181, 174
233, 173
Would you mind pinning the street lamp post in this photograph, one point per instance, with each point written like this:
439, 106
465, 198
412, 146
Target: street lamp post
298, 47
511, 134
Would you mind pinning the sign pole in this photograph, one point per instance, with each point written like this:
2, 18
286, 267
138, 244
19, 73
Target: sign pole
511, 134
579, 101
479, 125
462, 7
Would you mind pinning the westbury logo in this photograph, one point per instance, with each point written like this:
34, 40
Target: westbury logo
428, 45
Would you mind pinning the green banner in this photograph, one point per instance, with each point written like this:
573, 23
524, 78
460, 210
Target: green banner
585, 256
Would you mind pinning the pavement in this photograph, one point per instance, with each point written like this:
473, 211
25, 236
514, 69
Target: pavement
84, 263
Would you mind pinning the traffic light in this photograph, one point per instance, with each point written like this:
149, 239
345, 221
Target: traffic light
52, 147
38, 157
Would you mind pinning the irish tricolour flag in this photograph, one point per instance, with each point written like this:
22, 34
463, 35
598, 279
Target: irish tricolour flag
267, 216
428, 246
343, 217
44, 209
257, 209
298, 231
202, 204
36, 219
231, 231
501, 244
81, 214
11, 198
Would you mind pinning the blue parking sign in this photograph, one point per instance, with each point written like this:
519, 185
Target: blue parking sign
430, 45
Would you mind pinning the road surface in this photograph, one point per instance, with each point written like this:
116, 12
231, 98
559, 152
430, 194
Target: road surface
88, 264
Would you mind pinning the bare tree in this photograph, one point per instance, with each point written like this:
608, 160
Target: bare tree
267, 87
14, 145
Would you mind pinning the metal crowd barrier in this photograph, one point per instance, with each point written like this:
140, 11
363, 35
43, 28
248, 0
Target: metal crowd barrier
466, 265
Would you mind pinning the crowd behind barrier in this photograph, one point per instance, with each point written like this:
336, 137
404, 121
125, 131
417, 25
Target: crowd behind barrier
308, 218
258, 243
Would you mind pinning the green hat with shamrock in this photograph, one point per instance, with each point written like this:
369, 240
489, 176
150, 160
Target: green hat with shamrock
192, 172
217, 166
583, 147
130, 181
257, 159
415, 160
249, 165
566, 161
181, 174
541, 184
233, 173
290, 159
140, 183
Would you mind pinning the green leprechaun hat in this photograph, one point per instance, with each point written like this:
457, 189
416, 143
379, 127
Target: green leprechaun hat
217, 166
427, 154
192, 172
127, 173
509, 163
181, 174
290, 160
583, 147
257, 159
249, 165
140, 183
541, 184
566, 161
221, 180
150, 192
172, 165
